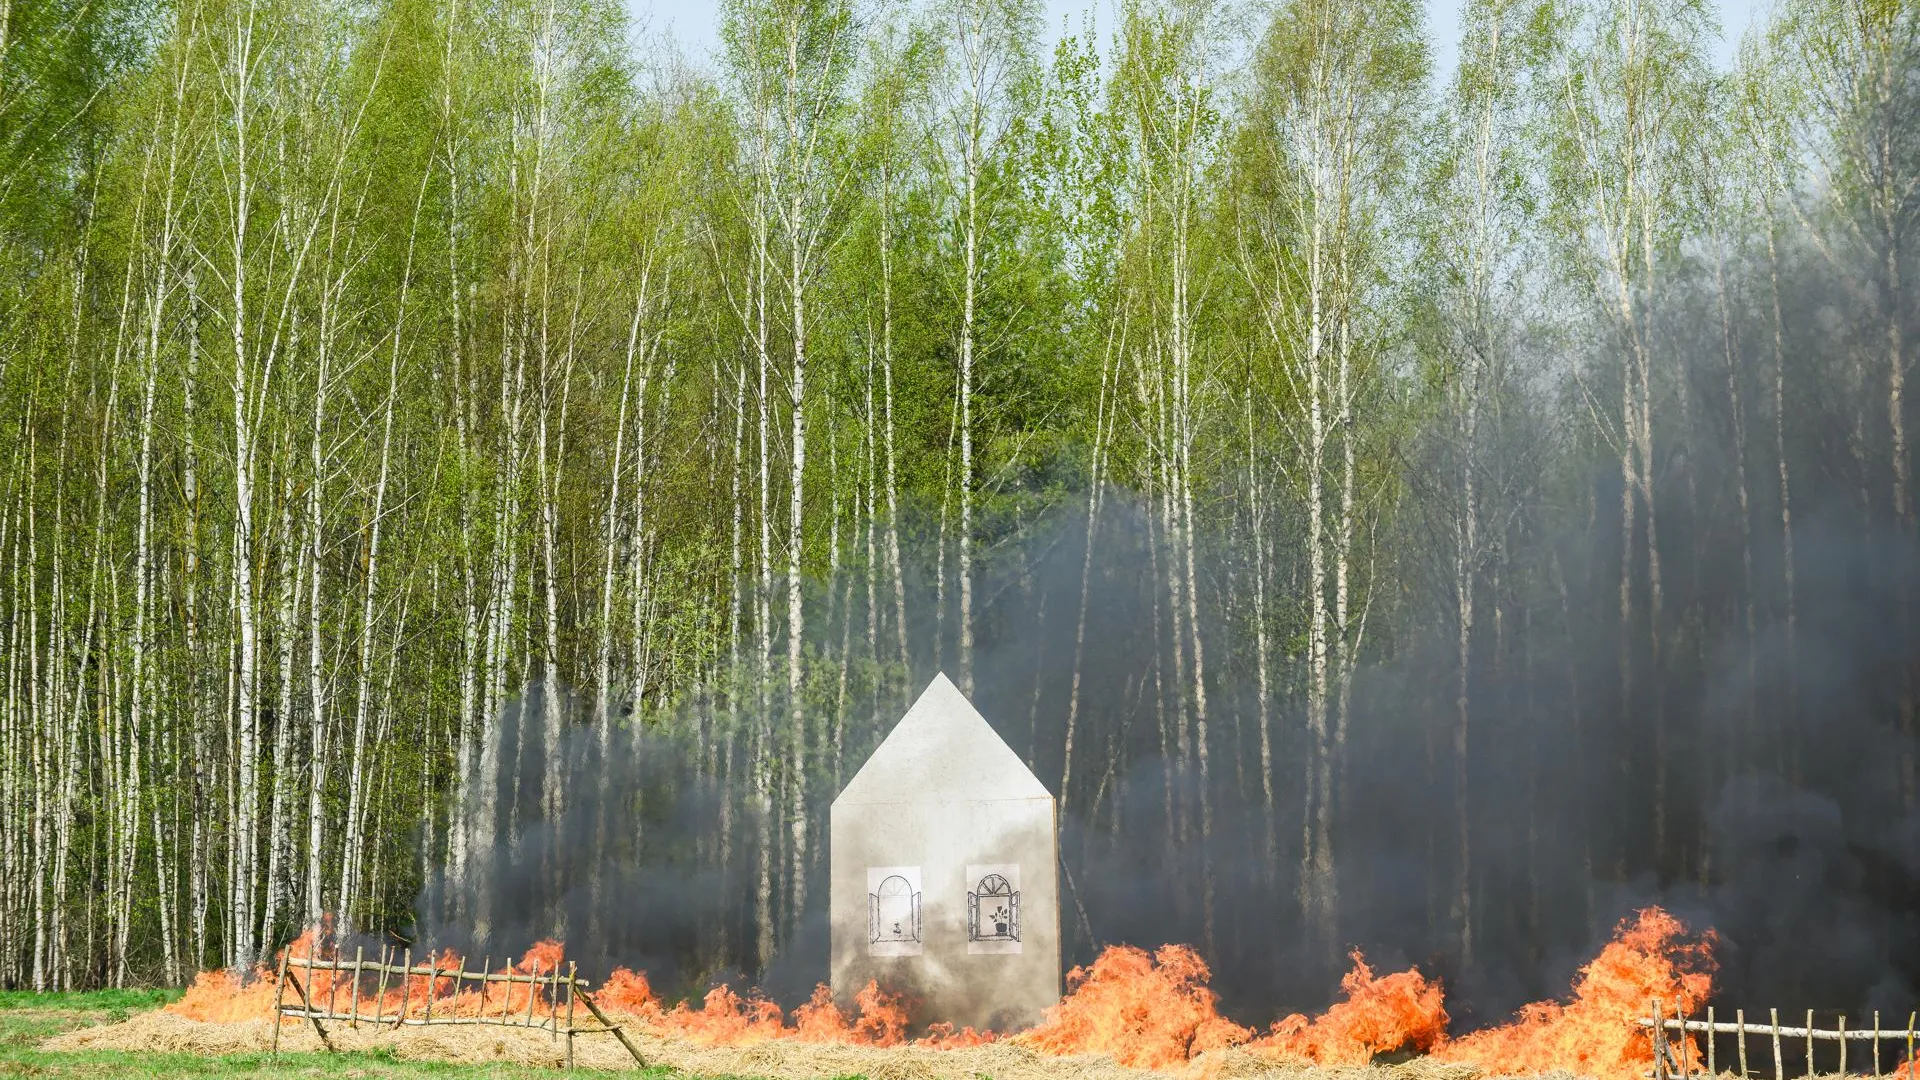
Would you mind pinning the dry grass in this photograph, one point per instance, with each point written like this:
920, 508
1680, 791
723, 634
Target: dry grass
163, 1032
1238, 1064
28, 1021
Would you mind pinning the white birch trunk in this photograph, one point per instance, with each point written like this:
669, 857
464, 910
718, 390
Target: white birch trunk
895, 567
354, 837
610, 528
197, 885
242, 61
796, 611
970, 242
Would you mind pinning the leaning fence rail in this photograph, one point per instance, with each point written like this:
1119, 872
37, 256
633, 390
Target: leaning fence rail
1676, 1058
553, 1012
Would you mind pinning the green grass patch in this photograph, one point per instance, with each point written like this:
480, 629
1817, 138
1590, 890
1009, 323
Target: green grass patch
89, 1000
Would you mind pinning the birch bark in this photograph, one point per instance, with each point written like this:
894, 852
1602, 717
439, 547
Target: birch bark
241, 62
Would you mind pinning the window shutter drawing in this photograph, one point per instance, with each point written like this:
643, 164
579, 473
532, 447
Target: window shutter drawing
993, 910
893, 912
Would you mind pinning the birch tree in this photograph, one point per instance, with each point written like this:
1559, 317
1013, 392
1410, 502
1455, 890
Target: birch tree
1629, 88
1322, 133
984, 43
1165, 80
1481, 218
1852, 58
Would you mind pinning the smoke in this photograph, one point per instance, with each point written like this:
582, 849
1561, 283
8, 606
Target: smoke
1752, 777
597, 833
641, 844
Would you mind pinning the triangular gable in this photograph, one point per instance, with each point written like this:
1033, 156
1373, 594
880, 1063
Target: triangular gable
942, 750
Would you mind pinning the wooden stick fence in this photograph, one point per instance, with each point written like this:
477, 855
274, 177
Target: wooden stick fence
1672, 1057
537, 1013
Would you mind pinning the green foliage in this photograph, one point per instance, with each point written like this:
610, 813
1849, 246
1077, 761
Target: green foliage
502, 293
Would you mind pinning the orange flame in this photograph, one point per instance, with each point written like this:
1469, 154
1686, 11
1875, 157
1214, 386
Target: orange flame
225, 997
724, 1018
1152, 1011
880, 1018
943, 1036
218, 997
1389, 1012
629, 992
1598, 1032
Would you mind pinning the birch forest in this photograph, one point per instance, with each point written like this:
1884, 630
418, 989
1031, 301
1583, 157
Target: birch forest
469, 470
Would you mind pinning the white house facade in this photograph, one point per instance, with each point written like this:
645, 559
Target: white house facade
944, 872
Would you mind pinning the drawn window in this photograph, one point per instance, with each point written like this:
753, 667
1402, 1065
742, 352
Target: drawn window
993, 910
893, 912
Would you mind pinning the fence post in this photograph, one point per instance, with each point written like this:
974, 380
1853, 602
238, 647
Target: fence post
1740, 1023
406, 988
553, 1000
1658, 1035
1843, 1044
571, 993
1779, 1069
1686, 1041
1809, 1044
279, 995
380, 994
307, 1007
353, 993
613, 1027
305, 992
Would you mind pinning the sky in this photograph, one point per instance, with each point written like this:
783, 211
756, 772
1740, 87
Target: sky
695, 24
